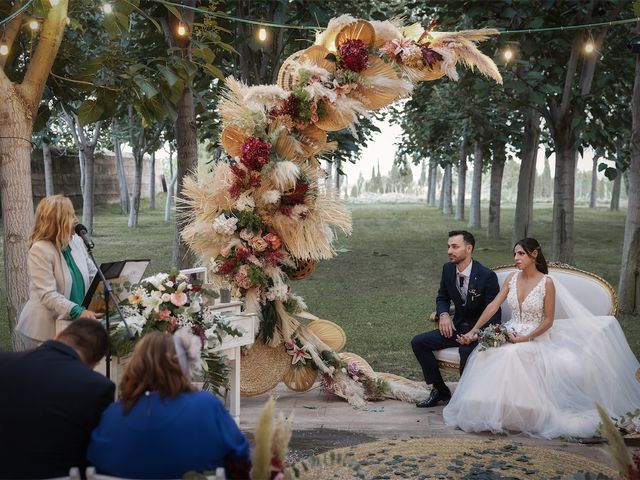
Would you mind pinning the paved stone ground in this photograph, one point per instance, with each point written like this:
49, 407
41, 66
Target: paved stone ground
323, 422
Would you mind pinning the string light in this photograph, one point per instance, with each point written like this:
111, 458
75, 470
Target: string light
182, 29
33, 24
262, 34
589, 48
4, 50
508, 54
107, 8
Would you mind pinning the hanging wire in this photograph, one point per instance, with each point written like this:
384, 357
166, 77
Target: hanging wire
16, 13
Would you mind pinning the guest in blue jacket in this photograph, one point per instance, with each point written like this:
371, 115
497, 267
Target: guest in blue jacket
162, 427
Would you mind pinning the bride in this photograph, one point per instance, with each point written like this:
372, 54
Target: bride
546, 381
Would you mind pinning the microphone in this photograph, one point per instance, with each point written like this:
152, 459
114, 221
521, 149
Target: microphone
82, 232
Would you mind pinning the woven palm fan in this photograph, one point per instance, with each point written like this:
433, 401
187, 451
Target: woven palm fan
330, 333
424, 74
385, 86
286, 146
300, 378
262, 367
304, 270
287, 75
232, 139
360, 30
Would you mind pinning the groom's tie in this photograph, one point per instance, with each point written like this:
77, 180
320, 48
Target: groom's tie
461, 287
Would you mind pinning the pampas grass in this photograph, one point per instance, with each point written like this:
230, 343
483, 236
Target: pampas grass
618, 450
261, 456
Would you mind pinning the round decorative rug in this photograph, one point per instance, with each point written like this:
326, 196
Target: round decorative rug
447, 458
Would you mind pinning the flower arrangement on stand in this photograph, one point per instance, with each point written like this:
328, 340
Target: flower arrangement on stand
266, 215
167, 302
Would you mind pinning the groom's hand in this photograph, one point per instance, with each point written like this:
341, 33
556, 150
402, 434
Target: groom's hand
445, 325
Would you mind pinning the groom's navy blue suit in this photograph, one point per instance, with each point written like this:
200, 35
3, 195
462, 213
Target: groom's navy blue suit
483, 287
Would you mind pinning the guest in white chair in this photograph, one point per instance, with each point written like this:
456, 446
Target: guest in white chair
547, 380
162, 427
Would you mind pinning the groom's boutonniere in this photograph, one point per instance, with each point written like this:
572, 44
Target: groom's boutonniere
474, 294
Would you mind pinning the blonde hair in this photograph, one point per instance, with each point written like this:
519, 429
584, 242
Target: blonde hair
154, 366
54, 219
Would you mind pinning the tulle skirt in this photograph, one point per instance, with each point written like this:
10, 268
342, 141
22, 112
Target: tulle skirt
548, 387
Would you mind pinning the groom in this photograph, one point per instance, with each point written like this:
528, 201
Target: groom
471, 287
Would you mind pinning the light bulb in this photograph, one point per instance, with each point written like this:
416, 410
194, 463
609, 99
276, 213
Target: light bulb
107, 8
182, 30
4, 50
508, 54
262, 34
589, 47
34, 25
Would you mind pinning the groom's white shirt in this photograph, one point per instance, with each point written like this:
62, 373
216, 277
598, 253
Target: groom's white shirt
467, 274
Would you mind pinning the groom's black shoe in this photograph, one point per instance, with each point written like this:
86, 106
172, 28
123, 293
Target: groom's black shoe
437, 395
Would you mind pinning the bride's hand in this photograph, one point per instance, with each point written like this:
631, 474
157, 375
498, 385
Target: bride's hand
467, 338
514, 338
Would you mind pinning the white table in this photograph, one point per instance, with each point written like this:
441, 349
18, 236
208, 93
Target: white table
246, 323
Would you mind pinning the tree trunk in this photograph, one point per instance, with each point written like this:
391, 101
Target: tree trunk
629, 285
187, 160
476, 186
48, 169
523, 221
122, 177
169, 203
442, 190
81, 165
447, 189
564, 196
138, 158
497, 170
433, 173
615, 192
17, 200
87, 191
152, 182
593, 195
462, 179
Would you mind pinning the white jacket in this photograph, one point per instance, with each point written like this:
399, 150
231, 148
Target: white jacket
50, 287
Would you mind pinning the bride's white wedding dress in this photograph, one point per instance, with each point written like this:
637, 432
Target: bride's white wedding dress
548, 387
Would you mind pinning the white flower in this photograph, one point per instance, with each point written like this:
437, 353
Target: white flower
245, 202
157, 281
300, 211
181, 287
194, 306
224, 225
277, 292
271, 196
151, 304
166, 297
168, 284
135, 322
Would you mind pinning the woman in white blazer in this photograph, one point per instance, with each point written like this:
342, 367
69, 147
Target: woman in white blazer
60, 272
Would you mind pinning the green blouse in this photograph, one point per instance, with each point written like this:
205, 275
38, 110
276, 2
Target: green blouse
77, 284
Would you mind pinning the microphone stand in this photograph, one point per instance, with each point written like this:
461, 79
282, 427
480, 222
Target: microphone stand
108, 293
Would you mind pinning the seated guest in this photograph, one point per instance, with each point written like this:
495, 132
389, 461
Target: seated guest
51, 400
60, 273
163, 427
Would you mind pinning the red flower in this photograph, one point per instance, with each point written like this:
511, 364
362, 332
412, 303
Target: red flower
272, 258
430, 57
354, 55
237, 171
254, 179
235, 190
227, 266
255, 153
242, 254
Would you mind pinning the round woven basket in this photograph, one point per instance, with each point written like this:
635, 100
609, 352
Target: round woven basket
300, 378
262, 367
304, 270
330, 333
232, 139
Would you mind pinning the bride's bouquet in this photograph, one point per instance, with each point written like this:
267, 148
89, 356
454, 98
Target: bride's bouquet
492, 336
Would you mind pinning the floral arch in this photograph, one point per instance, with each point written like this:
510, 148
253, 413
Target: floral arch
267, 216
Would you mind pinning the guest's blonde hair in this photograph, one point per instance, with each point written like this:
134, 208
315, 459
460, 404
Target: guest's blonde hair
154, 367
54, 219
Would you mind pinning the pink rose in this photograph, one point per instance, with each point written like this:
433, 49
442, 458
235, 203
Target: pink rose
165, 297
164, 315
225, 251
259, 244
273, 240
179, 298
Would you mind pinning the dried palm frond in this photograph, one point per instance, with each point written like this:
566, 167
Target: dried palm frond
402, 388
358, 30
341, 114
327, 37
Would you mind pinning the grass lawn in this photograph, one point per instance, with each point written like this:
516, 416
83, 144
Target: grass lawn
382, 286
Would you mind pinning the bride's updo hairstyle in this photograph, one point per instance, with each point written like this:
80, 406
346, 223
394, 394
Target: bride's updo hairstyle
531, 245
